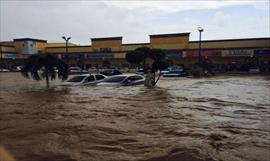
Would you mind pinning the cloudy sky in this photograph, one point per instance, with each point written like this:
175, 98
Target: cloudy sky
133, 19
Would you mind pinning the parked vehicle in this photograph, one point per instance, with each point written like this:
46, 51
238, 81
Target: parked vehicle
110, 72
3, 69
85, 79
17, 68
176, 73
123, 80
76, 70
164, 72
140, 72
254, 70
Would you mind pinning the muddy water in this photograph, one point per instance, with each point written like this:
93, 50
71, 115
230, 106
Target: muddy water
210, 119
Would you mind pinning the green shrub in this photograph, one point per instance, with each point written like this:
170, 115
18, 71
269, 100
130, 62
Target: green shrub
195, 70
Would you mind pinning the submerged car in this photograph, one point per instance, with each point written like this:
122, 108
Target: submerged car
176, 73
85, 79
17, 68
3, 70
123, 80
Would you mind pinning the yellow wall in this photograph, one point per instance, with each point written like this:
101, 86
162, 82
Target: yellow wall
115, 45
70, 49
18, 47
41, 47
7, 49
231, 44
132, 47
119, 55
177, 42
56, 44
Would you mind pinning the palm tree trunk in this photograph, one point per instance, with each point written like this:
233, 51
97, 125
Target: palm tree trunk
157, 78
47, 80
154, 79
149, 78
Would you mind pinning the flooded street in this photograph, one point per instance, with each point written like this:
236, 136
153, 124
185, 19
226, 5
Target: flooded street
224, 118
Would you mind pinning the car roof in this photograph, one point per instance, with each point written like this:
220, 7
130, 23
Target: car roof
88, 74
126, 75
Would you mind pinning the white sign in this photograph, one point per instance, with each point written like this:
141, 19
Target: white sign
238, 52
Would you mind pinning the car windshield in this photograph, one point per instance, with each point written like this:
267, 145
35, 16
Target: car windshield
76, 79
115, 79
175, 71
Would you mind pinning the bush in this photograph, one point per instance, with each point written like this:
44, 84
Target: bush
195, 70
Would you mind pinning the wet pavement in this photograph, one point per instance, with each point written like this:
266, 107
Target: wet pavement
223, 118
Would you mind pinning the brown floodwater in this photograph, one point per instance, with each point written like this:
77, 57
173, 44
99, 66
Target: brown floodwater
223, 118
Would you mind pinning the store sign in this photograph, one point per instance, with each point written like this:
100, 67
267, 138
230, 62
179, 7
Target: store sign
100, 56
262, 52
10, 56
195, 53
238, 52
119, 55
174, 54
73, 56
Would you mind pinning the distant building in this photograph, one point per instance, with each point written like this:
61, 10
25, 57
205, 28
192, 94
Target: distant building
111, 51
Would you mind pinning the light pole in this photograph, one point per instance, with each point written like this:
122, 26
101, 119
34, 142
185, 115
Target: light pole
200, 29
1, 55
66, 39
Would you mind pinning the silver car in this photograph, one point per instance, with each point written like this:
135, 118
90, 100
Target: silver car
85, 79
123, 80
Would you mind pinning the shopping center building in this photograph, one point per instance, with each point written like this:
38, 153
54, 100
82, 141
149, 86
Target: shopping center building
229, 54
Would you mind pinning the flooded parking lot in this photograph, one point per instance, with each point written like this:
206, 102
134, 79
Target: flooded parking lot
223, 118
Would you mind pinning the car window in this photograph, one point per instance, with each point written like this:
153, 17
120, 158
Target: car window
76, 79
137, 78
128, 79
99, 77
89, 79
115, 79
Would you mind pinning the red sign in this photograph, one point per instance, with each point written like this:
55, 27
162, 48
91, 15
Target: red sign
203, 53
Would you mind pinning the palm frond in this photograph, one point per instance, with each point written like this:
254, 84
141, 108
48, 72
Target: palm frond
40, 66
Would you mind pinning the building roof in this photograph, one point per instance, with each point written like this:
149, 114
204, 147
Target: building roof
29, 39
136, 44
169, 35
242, 39
106, 38
82, 46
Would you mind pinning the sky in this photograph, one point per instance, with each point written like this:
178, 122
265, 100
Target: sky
134, 20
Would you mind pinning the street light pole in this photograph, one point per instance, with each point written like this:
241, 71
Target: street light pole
200, 29
1, 55
66, 40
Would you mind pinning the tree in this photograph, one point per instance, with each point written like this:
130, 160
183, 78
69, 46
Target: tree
145, 53
139, 55
158, 65
45, 66
134, 57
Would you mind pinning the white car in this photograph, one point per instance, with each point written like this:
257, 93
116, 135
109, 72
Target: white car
254, 70
123, 80
76, 70
85, 79
3, 70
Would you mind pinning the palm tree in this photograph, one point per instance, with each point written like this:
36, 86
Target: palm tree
45, 66
139, 56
